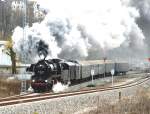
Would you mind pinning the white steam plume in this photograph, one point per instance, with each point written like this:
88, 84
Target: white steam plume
59, 87
72, 27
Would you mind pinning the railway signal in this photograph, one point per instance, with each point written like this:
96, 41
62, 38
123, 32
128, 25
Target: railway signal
105, 58
112, 73
92, 74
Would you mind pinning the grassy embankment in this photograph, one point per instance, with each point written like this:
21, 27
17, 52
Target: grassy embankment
139, 104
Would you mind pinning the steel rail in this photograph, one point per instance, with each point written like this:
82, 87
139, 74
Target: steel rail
41, 94
31, 95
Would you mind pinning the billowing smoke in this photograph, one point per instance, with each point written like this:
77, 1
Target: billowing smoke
144, 21
80, 29
144, 8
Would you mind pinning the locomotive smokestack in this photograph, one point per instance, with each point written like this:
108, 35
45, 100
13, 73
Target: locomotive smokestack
42, 49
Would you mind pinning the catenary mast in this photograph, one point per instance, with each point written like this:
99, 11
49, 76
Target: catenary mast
23, 83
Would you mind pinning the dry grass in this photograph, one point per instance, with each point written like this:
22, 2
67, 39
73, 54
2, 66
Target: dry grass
9, 87
139, 104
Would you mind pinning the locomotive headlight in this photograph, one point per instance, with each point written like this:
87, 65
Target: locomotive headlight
46, 80
33, 80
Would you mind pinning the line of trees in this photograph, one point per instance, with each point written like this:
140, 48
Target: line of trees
10, 18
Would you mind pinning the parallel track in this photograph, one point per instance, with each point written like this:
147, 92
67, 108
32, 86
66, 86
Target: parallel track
25, 99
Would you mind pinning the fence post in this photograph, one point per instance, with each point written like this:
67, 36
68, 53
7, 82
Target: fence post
119, 95
35, 112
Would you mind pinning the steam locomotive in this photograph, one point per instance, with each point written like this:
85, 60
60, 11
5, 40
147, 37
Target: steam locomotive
48, 72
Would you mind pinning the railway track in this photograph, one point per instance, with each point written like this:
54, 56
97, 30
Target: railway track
44, 96
41, 94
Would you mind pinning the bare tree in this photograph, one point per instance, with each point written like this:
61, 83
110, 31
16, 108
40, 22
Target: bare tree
9, 51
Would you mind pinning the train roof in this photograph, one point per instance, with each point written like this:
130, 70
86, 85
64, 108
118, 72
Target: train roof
71, 63
94, 62
87, 62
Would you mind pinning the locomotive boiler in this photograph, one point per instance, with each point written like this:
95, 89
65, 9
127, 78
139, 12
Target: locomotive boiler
48, 72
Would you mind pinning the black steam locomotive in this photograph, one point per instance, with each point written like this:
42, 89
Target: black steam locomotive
48, 72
